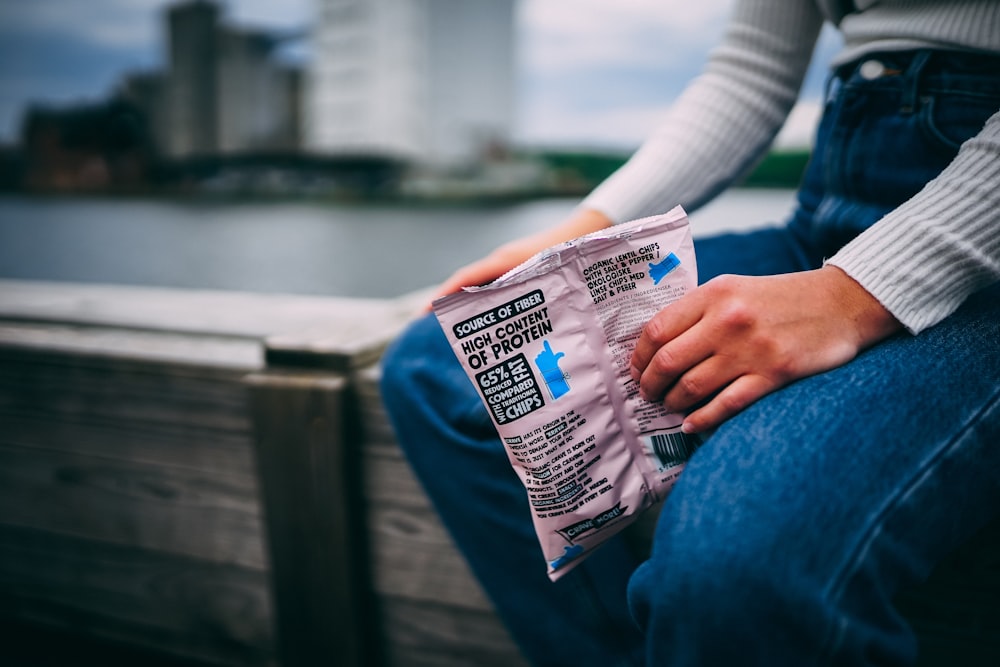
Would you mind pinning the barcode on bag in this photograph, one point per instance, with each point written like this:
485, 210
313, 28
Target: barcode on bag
672, 449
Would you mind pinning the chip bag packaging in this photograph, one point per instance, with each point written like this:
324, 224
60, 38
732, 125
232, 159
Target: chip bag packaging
548, 346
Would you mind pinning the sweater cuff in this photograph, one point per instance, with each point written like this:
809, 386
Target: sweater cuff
919, 279
924, 259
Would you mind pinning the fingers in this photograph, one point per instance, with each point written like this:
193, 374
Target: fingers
736, 338
669, 345
700, 383
737, 395
671, 361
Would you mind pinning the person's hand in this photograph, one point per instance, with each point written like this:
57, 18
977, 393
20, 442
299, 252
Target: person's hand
509, 255
735, 339
491, 267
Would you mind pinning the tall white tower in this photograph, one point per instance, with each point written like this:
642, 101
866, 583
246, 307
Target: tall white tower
425, 80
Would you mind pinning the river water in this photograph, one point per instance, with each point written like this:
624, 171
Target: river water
289, 247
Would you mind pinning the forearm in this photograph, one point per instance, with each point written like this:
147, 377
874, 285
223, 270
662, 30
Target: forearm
506, 257
583, 221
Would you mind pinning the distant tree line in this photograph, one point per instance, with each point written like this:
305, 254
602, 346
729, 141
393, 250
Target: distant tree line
580, 171
780, 169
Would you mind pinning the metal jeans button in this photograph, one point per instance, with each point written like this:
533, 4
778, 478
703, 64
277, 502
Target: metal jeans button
871, 69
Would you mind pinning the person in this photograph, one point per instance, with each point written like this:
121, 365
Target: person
845, 366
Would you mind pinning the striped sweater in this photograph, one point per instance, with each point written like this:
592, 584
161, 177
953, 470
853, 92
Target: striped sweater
922, 260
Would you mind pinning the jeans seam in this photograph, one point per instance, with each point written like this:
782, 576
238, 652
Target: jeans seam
851, 565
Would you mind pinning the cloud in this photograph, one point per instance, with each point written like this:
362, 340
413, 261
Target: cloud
621, 128
137, 24
59, 51
598, 73
625, 127
55, 71
592, 72
275, 15
601, 74
569, 34
121, 24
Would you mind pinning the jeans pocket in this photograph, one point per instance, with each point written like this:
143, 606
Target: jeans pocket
947, 120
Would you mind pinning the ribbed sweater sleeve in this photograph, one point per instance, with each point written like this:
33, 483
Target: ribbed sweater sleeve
927, 256
923, 259
725, 120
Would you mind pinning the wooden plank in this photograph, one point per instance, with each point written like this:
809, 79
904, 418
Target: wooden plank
212, 312
207, 515
181, 606
315, 519
50, 402
353, 344
101, 385
175, 445
36, 645
376, 428
430, 635
44, 385
111, 343
128, 492
388, 479
309, 331
413, 558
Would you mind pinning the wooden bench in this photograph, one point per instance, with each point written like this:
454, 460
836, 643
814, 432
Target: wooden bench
128, 491
212, 476
136, 507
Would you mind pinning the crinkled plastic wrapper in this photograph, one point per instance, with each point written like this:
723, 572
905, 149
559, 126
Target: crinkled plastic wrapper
548, 346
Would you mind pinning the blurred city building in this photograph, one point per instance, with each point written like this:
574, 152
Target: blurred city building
412, 97
85, 147
429, 82
222, 92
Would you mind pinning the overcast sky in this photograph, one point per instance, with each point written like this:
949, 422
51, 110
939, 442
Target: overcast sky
592, 72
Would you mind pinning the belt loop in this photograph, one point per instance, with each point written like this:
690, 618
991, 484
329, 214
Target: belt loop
911, 81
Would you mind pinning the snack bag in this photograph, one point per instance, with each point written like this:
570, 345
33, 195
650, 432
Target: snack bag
547, 347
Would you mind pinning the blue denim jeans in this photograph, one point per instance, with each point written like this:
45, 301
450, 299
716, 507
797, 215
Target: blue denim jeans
795, 524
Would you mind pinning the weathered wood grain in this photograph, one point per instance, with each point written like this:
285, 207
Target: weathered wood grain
129, 505
183, 350
175, 445
213, 516
434, 612
145, 598
315, 519
47, 385
389, 478
431, 635
128, 431
202, 312
131, 443
316, 332
414, 559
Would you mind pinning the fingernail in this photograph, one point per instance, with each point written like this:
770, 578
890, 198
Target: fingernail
634, 372
688, 427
